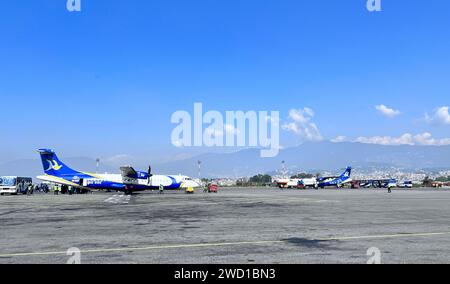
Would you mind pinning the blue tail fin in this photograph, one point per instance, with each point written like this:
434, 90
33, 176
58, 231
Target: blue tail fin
53, 166
347, 173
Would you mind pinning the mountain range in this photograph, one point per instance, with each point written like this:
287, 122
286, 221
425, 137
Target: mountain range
316, 156
310, 157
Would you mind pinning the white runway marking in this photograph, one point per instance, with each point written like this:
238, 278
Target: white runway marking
119, 199
205, 245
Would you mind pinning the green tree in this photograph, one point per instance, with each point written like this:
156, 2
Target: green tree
427, 181
443, 179
302, 176
260, 179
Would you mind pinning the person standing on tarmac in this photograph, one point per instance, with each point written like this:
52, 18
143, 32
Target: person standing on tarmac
389, 189
30, 189
161, 189
21, 188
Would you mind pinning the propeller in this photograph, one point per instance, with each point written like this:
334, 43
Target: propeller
149, 179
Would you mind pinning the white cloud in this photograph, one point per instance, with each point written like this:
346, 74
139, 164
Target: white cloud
405, 139
230, 129
427, 139
302, 125
439, 116
424, 139
339, 139
226, 129
388, 112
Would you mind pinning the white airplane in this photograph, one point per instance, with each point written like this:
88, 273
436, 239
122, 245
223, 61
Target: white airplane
128, 181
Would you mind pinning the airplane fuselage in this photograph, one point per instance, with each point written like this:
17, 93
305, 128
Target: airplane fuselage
118, 182
334, 182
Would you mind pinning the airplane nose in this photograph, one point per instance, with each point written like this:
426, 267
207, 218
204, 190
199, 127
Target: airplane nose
191, 183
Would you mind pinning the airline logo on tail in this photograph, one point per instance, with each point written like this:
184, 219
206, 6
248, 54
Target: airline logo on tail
53, 165
347, 173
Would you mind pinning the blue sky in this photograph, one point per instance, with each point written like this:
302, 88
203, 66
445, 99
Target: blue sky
105, 81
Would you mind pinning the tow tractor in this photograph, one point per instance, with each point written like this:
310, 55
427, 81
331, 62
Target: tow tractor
213, 188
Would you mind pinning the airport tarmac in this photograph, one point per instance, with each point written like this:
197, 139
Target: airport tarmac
249, 226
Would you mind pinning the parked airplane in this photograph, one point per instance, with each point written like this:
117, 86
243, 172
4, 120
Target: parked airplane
336, 181
128, 182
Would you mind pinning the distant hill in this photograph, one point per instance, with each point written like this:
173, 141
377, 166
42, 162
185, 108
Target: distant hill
317, 156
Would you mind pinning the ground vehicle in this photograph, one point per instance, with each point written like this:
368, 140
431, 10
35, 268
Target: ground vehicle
213, 187
437, 184
406, 184
287, 183
356, 184
189, 190
308, 183
14, 185
392, 183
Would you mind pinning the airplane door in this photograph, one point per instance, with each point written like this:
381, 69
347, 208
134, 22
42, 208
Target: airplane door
150, 181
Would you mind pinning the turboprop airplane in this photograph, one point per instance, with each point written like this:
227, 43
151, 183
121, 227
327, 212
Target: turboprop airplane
128, 181
338, 182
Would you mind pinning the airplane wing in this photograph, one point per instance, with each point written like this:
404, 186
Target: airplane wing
57, 180
128, 172
328, 177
